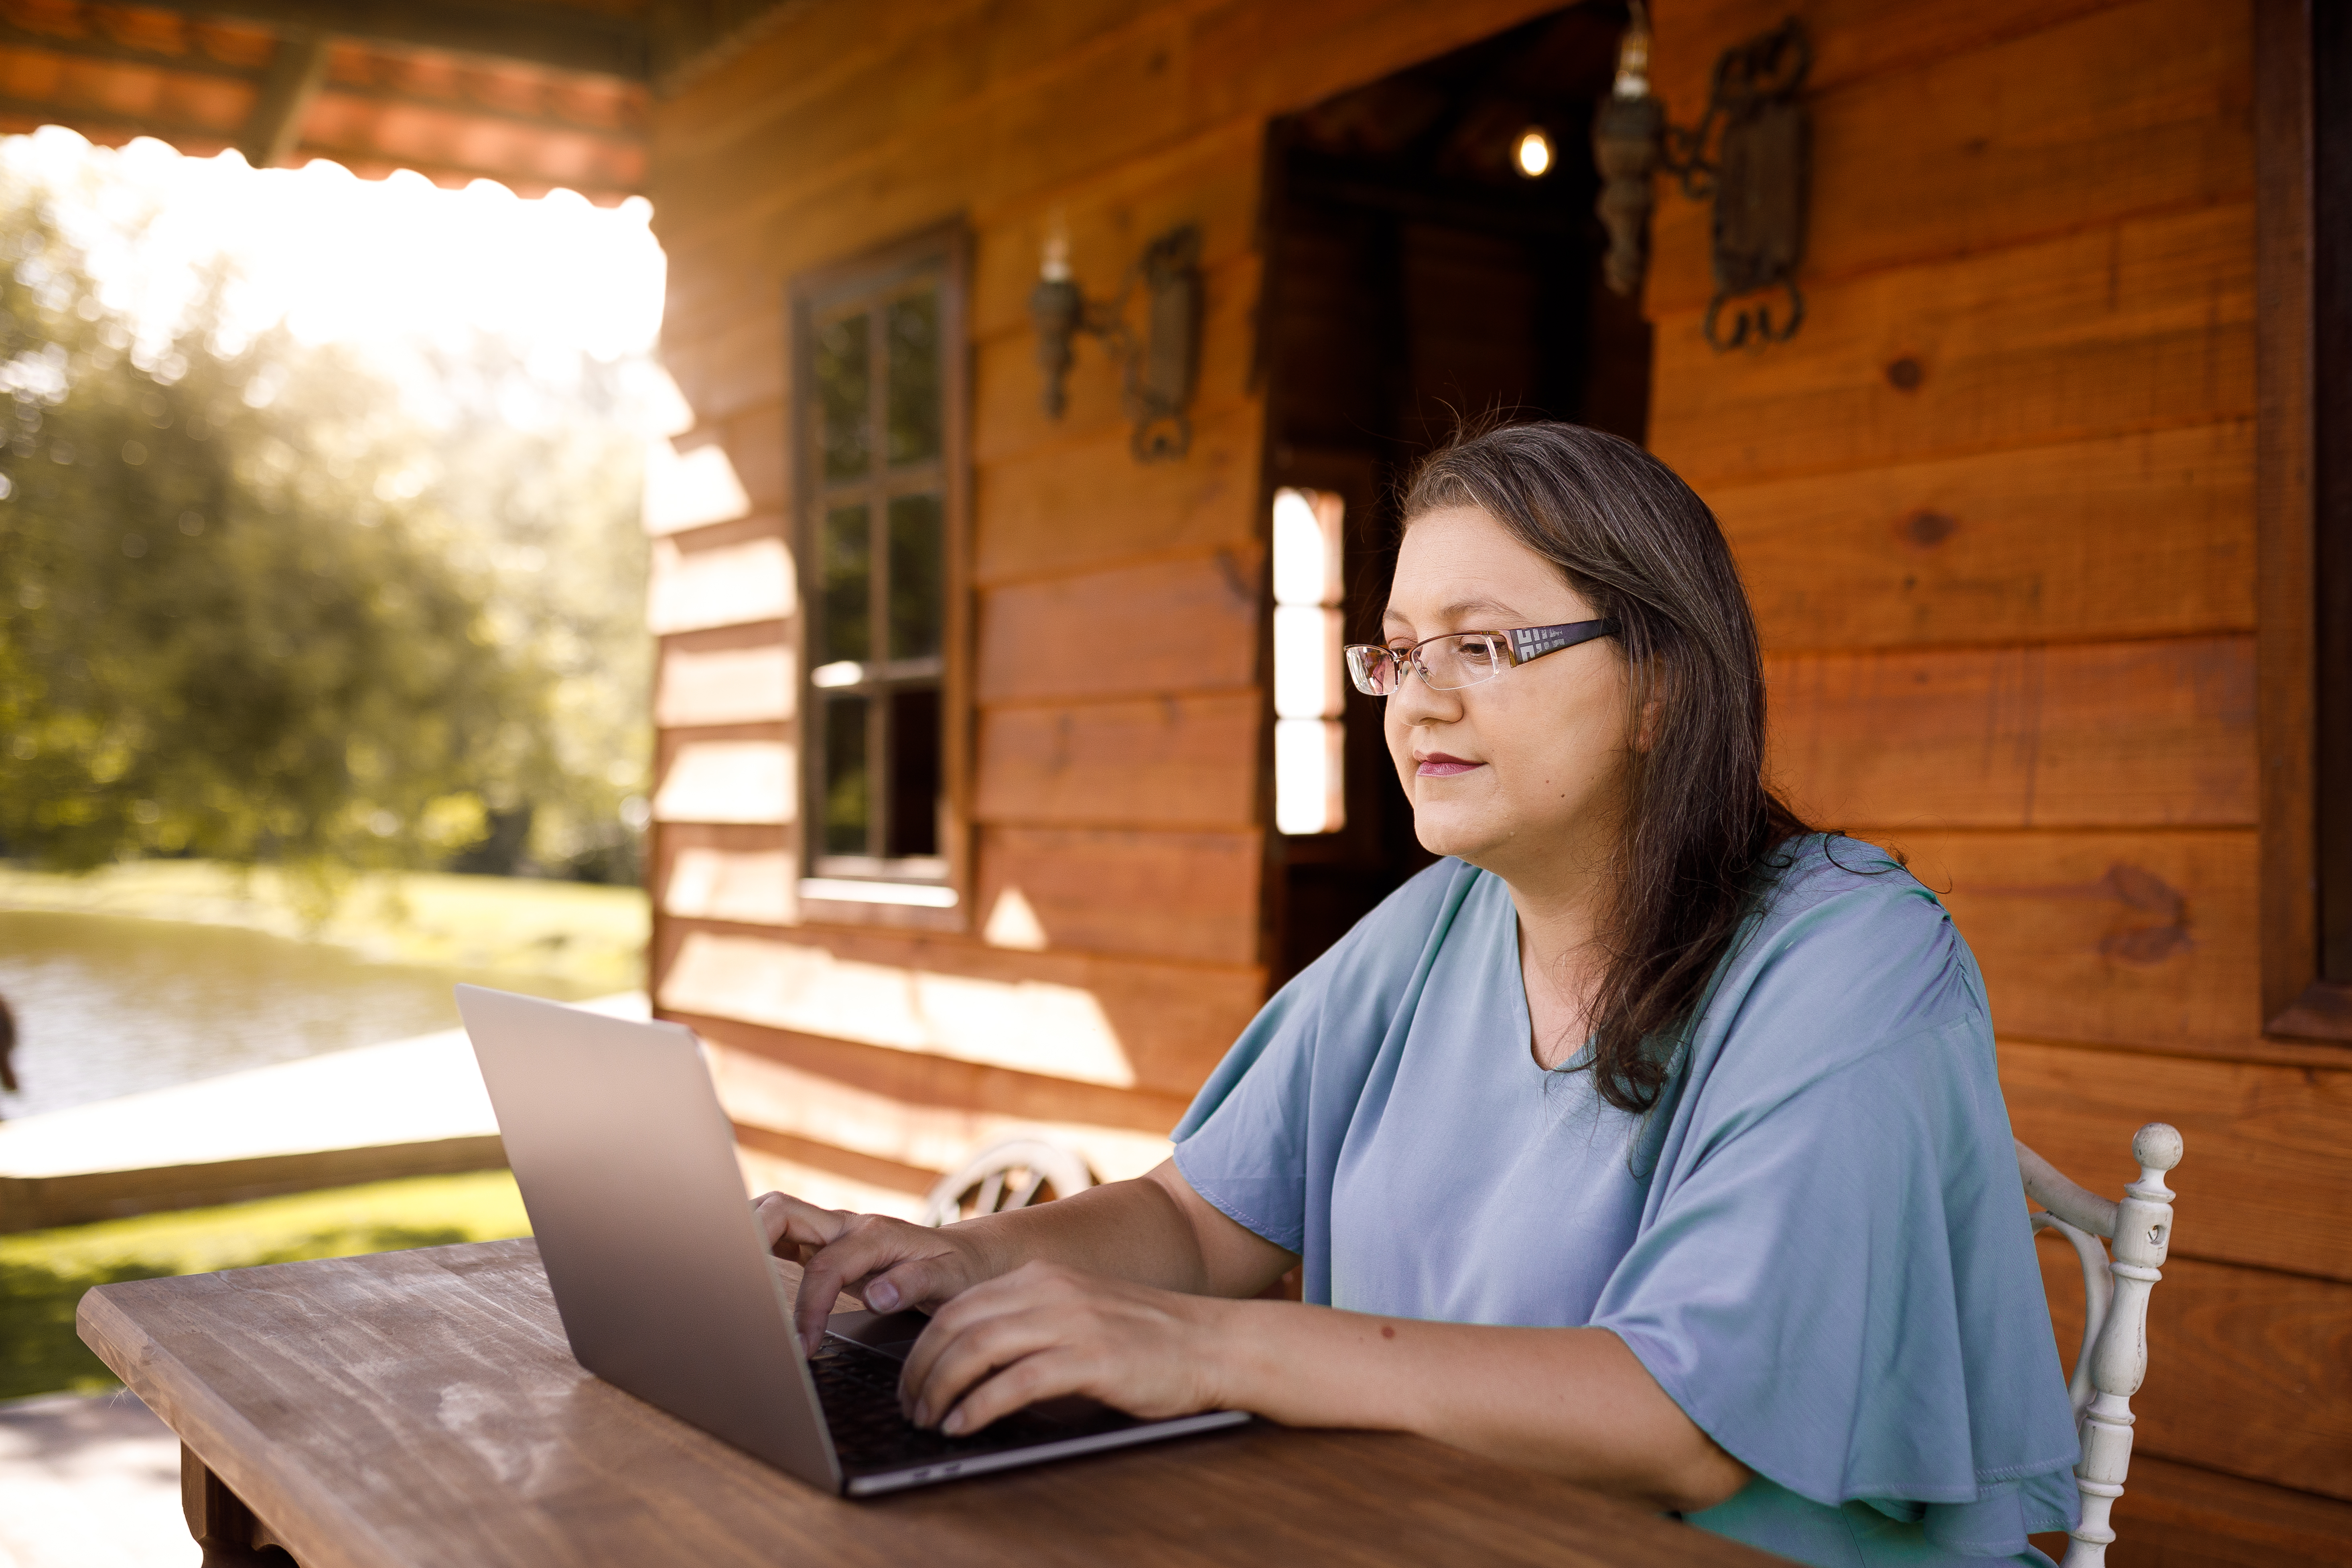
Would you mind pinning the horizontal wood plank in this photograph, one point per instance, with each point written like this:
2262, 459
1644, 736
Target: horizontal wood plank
1151, 894
725, 686
1173, 762
1852, 39
1187, 625
2147, 534
2267, 1180
925, 1140
722, 585
2249, 1372
2173, 1515
728, 780
2099, 735
2139, 107
944, 1084
2125, 938
1090, 504
1115, 1023
2128, 326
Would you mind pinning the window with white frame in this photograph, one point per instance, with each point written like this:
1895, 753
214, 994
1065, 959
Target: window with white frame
1308, 681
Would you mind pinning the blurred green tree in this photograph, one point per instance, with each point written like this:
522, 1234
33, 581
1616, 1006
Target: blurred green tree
252, 608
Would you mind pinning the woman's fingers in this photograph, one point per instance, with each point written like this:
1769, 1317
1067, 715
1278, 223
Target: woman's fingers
869, 1246
970, 1354
786, 1219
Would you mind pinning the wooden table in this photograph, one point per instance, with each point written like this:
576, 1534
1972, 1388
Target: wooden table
418, 1408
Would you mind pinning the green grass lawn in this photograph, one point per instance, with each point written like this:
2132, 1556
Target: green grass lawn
43, 1273
593, 938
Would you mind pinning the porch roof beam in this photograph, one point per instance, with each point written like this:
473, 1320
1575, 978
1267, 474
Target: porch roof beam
561, 38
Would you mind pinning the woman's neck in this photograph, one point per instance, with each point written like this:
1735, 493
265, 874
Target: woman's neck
1561, 964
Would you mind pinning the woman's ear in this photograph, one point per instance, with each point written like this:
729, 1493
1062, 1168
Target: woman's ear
1647, 733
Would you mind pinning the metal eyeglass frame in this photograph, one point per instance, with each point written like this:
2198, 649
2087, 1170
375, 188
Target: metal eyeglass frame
1518, 644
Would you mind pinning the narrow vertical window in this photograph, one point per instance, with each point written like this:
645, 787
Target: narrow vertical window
1308, 788
876, 381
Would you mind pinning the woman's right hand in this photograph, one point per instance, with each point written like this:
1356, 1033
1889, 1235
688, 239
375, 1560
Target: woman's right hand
889, 1264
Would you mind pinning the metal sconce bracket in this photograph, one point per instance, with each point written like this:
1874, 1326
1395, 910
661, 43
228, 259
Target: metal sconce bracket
1755, 172
1158, 371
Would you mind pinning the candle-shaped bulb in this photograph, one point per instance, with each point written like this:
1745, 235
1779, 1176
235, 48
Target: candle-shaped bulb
1056, 268
1633, 55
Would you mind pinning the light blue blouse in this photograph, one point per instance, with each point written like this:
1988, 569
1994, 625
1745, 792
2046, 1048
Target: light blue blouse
1816, 1241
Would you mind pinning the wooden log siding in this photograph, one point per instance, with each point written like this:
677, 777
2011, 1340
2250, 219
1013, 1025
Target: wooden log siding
2006, 591
2007, 594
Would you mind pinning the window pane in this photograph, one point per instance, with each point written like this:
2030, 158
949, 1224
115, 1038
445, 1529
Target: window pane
914, 752
912, 327
847, 803
844, 385
846, 573
917, 575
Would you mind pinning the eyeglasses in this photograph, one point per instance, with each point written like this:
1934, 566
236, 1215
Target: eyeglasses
1457, 659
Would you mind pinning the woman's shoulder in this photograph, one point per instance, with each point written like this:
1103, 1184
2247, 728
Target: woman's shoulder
1849, 951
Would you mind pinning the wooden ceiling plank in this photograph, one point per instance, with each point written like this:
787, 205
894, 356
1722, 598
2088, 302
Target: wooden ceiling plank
560, 38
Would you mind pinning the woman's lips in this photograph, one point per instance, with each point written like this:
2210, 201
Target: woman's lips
1438, 765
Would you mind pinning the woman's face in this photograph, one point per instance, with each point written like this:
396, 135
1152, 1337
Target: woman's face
1523, 775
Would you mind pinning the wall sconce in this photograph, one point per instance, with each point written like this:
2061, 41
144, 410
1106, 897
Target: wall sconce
1756, 173
1158, 371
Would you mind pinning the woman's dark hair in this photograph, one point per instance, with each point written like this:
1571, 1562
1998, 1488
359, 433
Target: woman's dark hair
1646, 551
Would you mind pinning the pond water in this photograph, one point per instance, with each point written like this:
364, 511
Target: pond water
108, 1005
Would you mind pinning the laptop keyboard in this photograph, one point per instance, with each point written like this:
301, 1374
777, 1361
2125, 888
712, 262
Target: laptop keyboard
859, 1390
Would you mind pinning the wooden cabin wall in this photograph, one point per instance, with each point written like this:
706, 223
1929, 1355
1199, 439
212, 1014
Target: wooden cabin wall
1117, 772
1995, 507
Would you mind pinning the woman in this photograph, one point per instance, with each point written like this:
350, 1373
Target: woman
1649, 1138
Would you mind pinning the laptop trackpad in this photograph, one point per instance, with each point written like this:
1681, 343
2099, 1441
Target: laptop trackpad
891, 1334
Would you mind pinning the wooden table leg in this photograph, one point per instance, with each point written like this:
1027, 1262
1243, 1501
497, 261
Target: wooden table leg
230, 1532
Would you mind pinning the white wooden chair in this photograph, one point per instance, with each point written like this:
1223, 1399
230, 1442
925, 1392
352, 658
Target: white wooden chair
1011, 1176
2113, 1361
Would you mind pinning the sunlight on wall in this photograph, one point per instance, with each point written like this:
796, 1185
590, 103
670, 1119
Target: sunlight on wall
1012, 923
729, 686
1028, 1026
769, 1094
755, 887
691, 489
1308, 784
728, 780
723, 587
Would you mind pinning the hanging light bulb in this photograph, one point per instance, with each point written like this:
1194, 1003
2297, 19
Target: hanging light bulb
1532, 154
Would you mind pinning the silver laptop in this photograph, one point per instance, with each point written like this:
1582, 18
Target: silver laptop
661, 1273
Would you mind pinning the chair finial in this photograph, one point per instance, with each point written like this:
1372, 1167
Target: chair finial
2157, 1146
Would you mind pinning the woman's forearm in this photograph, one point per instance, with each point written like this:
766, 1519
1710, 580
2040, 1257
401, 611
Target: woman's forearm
1574, 1403
1127, 1230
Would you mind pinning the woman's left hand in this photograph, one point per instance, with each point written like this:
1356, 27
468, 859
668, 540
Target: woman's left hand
1043, 1330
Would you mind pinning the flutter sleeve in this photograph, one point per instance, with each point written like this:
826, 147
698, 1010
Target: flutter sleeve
1261, 1141
1834, 1275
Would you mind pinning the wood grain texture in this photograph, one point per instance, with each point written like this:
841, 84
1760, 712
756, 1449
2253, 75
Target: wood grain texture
1150, 894
2132, 325
2273, 1178
2134, 109
1088, 504
423, 1407
2249, 1372
1173, 762
2125, 938
2101, 735
1173, 627
2142, 535
2173, 1515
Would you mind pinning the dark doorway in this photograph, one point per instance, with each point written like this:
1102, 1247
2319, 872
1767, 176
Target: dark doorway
1417, 280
